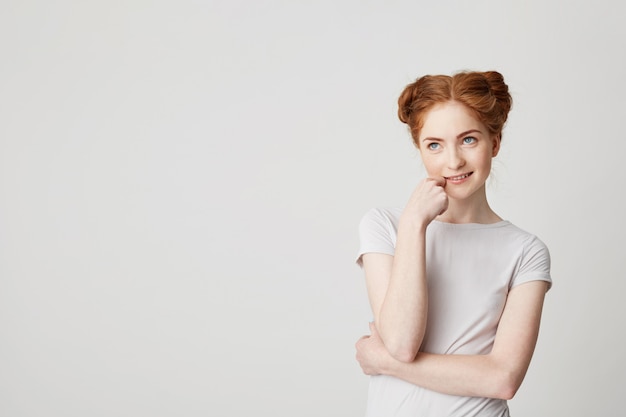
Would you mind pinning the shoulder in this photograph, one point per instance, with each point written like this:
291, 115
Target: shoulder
534, 262
529, 241
378, 231
382, 216
380, 220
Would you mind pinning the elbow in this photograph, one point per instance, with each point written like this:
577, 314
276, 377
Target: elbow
404, 357
406, 354
402, 346
507, 386
506, 393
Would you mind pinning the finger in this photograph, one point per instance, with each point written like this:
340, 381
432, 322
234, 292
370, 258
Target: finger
358, 342
372, 327
440, 181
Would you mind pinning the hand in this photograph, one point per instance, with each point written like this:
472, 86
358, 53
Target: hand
429, 200
371, 353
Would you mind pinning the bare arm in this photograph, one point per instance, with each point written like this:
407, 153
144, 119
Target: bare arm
496, 375
396, 284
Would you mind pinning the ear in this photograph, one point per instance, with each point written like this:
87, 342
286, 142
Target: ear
496, 145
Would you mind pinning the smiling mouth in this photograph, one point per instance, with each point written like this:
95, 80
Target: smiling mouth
459, 177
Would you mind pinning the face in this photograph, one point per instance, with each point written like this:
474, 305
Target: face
455, 145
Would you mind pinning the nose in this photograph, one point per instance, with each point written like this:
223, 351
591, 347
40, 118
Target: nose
455, 158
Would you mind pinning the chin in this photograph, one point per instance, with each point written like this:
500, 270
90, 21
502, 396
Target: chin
461, 194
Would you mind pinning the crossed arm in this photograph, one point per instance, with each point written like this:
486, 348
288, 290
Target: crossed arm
495, 375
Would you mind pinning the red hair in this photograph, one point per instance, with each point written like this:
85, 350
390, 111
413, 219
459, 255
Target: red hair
484, 93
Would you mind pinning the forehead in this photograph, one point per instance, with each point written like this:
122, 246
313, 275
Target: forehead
447, 120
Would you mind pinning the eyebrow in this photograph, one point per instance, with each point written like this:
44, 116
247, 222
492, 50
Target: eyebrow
459, 136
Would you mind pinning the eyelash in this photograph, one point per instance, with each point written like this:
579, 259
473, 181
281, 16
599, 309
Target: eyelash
433, 146
469, 137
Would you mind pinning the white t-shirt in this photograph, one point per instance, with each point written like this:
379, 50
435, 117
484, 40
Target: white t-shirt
470, 269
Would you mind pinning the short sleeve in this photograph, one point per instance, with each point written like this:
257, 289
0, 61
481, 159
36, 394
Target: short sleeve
377, 233
534, 264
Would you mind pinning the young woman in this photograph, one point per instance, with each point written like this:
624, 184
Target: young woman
455, 290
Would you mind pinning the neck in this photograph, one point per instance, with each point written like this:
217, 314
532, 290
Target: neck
475, 209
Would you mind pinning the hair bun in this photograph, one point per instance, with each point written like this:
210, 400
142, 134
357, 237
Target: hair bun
406, 100
500, 90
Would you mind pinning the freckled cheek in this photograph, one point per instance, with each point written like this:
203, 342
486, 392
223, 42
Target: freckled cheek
432, 166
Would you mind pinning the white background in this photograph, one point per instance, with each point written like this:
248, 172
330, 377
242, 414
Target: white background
181, 184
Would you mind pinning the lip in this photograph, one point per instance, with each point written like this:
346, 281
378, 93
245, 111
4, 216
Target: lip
457, 179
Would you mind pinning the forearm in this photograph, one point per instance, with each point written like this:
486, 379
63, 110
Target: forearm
495, 375
498, 374
463, 375
403, 313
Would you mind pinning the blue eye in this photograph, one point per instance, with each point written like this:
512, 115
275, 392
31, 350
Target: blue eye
433, 146
469, 140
